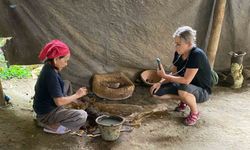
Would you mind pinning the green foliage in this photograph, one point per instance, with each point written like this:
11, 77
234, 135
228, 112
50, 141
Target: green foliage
15, 71
3, 40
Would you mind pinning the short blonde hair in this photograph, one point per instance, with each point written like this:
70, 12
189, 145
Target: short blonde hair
186, 33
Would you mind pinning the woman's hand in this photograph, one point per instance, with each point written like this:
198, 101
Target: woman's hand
60, 101
81, 92
155, 88
161, 73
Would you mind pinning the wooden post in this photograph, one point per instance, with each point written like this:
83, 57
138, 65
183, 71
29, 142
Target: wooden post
2, 101
213, 43
3, 41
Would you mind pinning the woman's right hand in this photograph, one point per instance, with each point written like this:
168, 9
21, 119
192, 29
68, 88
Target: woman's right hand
155, 88
81, 92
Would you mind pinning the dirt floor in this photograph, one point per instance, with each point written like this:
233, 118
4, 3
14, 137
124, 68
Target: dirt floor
224, 124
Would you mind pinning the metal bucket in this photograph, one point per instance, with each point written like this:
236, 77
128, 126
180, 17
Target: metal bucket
110, 126
237, 57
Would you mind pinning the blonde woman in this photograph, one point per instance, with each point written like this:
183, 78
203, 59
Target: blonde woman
190, 79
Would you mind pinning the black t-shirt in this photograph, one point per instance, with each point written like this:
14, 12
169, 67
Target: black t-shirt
48, 86
196, 59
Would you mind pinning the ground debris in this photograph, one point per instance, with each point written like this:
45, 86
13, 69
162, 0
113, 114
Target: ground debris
78, 133
136, 118
134, 114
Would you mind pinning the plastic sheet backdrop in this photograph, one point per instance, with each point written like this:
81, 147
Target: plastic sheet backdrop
108, 36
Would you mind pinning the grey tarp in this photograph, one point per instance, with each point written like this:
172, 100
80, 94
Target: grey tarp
116, 35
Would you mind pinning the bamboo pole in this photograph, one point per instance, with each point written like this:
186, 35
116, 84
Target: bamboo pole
2, 101
213, 43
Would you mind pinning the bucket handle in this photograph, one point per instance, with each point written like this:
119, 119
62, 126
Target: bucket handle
235, 54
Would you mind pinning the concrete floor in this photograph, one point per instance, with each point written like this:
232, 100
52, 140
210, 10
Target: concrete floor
224, 124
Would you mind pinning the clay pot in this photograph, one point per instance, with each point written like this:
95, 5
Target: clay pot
150, 77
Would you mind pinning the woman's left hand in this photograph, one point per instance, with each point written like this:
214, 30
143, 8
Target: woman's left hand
161, 72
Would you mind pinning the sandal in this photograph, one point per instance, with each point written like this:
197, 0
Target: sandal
60, 130
181, 107
192, 118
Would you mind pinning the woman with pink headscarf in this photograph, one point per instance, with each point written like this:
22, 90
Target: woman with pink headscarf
50, 98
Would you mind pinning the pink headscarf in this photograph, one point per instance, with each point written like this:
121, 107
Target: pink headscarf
53, 49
